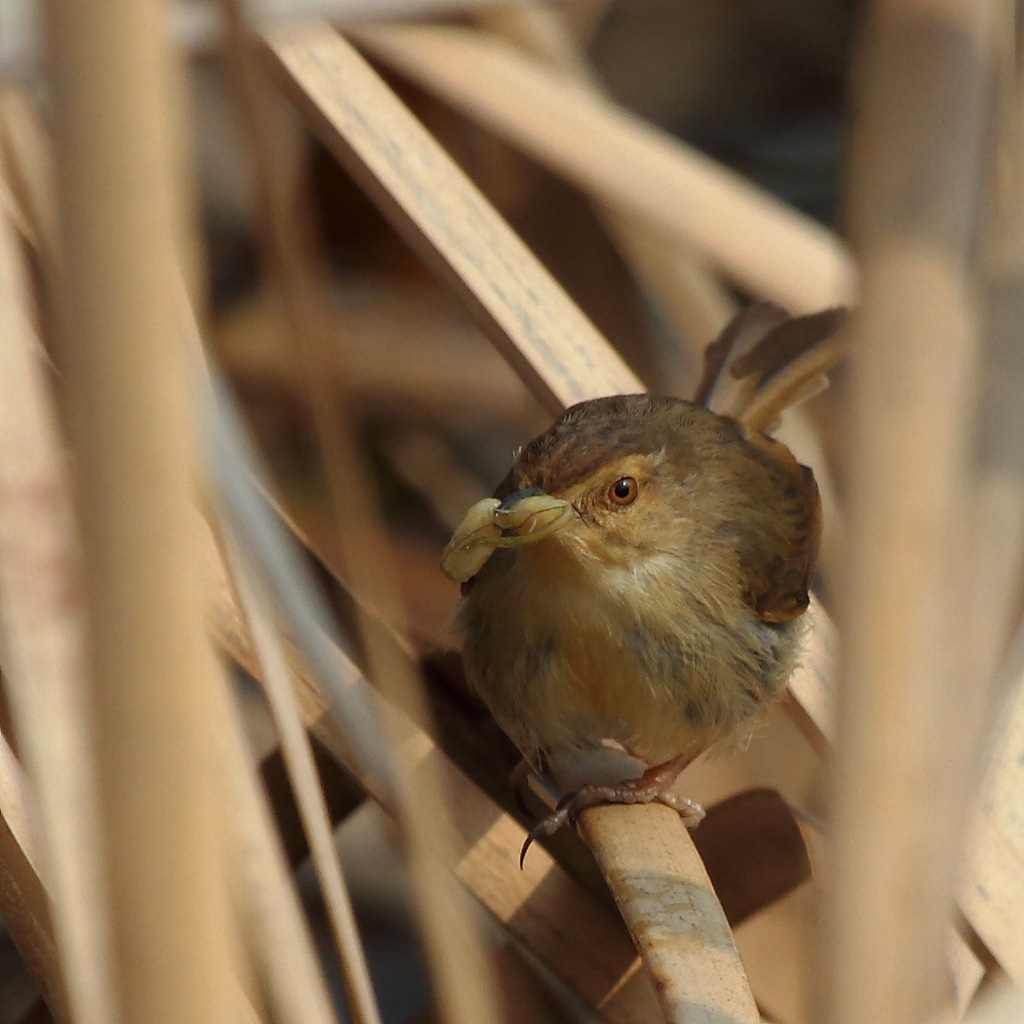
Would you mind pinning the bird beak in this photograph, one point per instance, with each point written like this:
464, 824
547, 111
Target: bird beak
522, 518
530, 515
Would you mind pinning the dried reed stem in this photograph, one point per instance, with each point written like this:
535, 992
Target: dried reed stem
529, 318
24, 903
298, 756
992, 896
915, 177
411, 176
992, 884
26, 153
275, 930
197, 27
998, 458
1004, 1005
695, 304
42, 618
150, 664
672, 209
543, 909
296, 282
755, 239
460, 968
669, 905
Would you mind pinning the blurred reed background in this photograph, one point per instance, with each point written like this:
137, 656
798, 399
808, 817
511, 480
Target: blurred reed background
282, 284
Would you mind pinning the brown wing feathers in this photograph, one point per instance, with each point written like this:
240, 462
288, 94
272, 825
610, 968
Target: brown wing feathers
780, 357
779, 578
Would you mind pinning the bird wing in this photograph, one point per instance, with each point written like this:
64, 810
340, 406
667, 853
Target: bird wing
778, 564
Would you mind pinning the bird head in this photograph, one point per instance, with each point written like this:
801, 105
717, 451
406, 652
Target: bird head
614, 479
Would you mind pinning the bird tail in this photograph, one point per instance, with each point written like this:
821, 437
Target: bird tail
777, 361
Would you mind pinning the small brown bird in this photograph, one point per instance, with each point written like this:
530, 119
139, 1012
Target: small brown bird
633, 590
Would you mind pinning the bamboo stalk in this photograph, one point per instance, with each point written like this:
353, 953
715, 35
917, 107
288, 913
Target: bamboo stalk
903, 739
60, 928
26, 906
125, 399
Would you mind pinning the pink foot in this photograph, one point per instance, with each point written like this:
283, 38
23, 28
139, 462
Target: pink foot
653, 787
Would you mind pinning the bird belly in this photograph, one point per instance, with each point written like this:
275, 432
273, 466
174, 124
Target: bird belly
580, 681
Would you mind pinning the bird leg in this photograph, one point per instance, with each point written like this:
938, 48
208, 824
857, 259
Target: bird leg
653, 787
520, 781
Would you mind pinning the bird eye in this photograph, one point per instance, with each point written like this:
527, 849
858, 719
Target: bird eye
623, 491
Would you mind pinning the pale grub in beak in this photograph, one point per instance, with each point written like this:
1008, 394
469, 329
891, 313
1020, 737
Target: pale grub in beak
491, 524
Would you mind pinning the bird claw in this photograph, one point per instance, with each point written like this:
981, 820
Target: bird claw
566, 812
570, 807
548, 826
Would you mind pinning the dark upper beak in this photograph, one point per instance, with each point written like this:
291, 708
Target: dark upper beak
530, 515
512, 499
